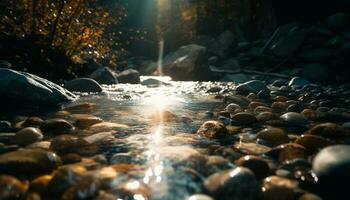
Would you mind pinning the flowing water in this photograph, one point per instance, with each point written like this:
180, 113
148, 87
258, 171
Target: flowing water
160, 136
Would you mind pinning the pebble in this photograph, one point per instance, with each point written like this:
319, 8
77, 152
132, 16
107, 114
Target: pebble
11, 188
82, 108
256, 164
294, 119
33, 122
252, 148
216, 163
71, 144
278, 188
233, 184
57, 127
279, 106
212, 130
298, 81
63, 179
83, 121
107, 127
331, 166
28, 136
243, 119
313, 143
272, 136
29, 162
266, 116
200, 197
232, 107
287, 152
328, 130
253, 86
5, 126
40, 183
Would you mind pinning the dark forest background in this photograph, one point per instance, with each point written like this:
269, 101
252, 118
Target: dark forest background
62, 39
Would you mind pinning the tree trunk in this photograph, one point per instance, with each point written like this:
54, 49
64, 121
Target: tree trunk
55, 23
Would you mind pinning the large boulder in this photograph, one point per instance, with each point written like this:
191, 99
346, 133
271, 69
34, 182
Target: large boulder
315, 72
187, 63
28, 89
129, 76
223, 44
104, 76
286, 40
83, 85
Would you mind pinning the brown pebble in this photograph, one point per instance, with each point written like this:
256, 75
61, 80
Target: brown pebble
28, 136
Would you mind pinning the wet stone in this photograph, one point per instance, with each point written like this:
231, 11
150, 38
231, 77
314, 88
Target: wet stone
11, 188
83, 121
252, 148
253, 86
290, 151
329, 130
278, 188
331, 165
63, 179
216, 163
33, 122
272, 136
212, 130
313, 143
294, 119
266, 116
81, 108
57, 127
232, 184
309, 196
29, 162
68, 144
5, 126
243, 118
87, 188
261, 109
256, 164
279, 106
40, 183
232, 107
106, 127
199, 197
28, 136
70, 158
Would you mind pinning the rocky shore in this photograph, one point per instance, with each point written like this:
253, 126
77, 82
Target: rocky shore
262, 139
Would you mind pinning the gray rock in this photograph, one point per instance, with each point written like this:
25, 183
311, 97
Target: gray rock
236, 78
331, 165
231, 64
288, 39
5, 125
153, 82
28, 162
253, 86
223, 44
83, 85
315, 72
187, 63
30, 89
104, 76
317, 55
234, 184
338, 20
129, 76
298, 81
294, 119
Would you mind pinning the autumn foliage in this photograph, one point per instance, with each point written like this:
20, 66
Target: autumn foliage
74, 29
